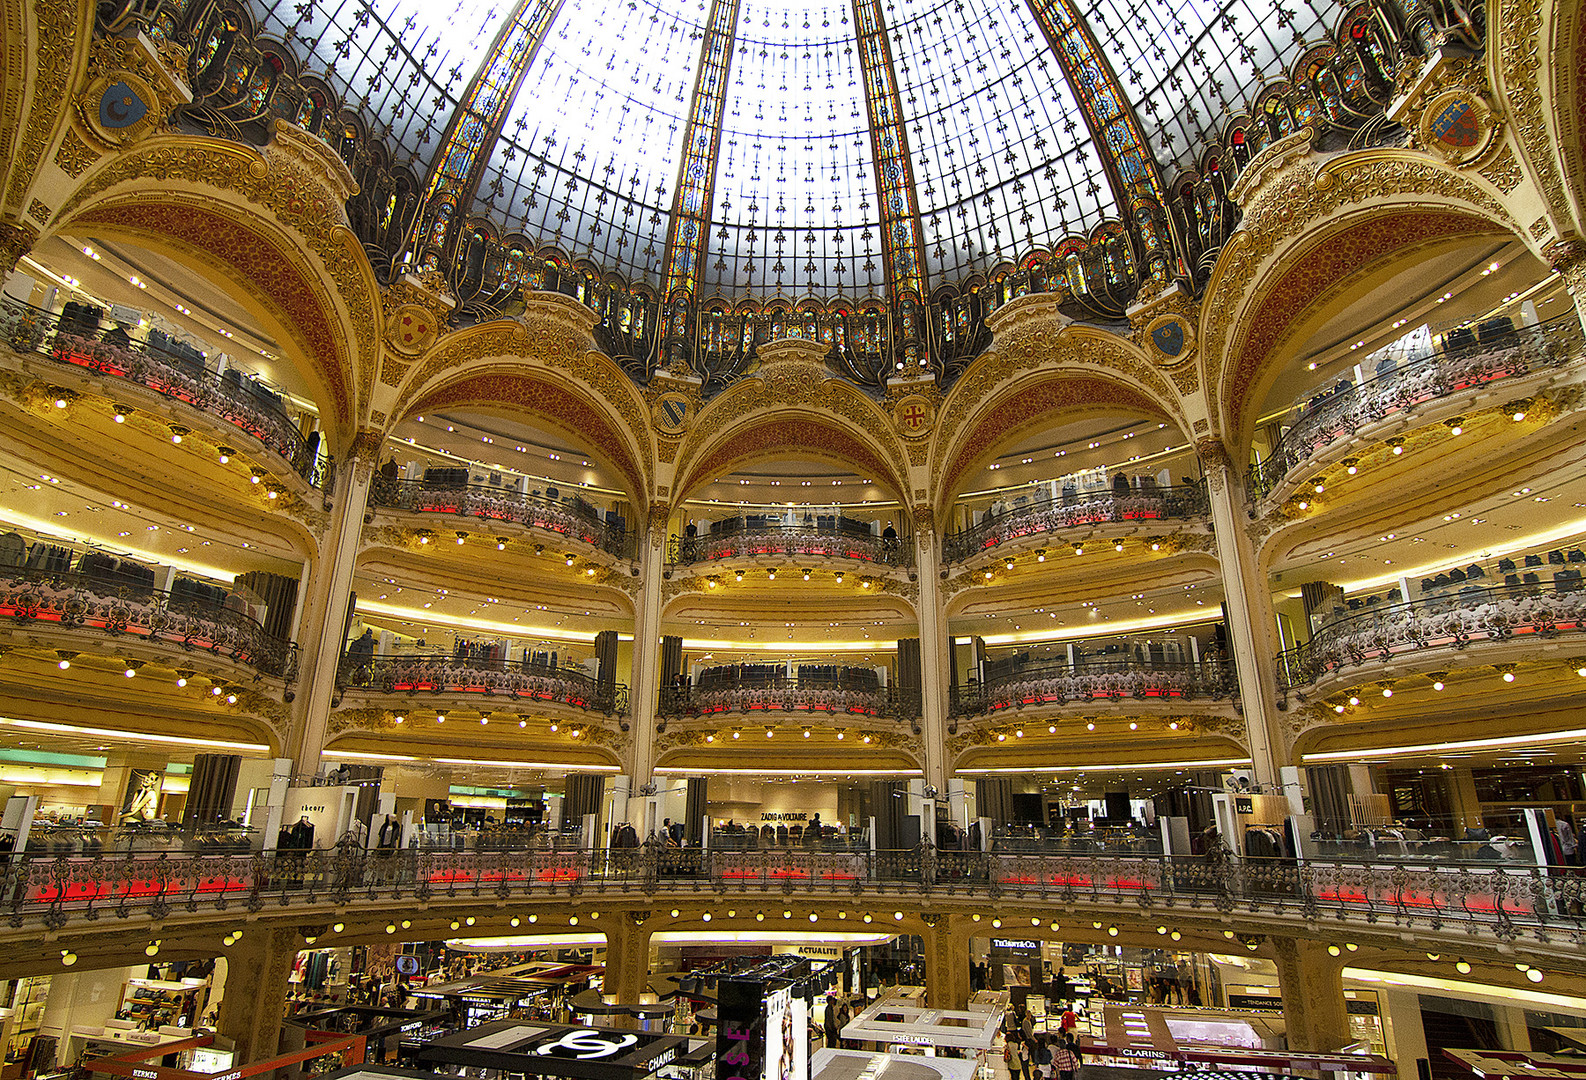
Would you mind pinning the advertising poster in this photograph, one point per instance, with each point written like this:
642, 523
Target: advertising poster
779, 1039
142, 800
801, 1038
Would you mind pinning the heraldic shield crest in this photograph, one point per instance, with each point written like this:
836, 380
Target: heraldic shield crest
120, 107
1169, 338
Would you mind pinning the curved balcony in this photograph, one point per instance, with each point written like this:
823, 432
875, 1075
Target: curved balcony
1456, 902
841, 693
1338, 413
84, 602
572, 518
1180, 503
239, 402
1383, 631
516, 680
827, 537
1096, 680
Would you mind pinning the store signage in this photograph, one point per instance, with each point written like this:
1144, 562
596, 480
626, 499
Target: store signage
1255, 1002
740, 1030
1358, 1007
1143, 1052
145, 1074
407, 965
1015, 945
769, 816
584, 1045
1244, 804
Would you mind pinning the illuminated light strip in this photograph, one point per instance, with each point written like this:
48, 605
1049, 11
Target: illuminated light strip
1100, 628
669, 937
518, 630
1138, 766
902, 241
30, 780
117, 546
483, 109
113, 733
834, 773
1130, 166
696, 181
1542, 739
1504, 994
1569, 530
334, 754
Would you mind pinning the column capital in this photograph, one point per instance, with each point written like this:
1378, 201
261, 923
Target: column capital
924, 518
656, 521
1567, 257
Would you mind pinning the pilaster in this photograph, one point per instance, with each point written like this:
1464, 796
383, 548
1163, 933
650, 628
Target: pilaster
16, 240
257, 968
934, 668
1568, 259
646, 675
1252, 625
327, 591
1312, 983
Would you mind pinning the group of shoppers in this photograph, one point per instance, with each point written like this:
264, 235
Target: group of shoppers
1032, 1055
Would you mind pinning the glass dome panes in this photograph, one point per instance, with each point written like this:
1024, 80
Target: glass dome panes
1189, 64
1002, 158
795, 207
588, 155
404, 62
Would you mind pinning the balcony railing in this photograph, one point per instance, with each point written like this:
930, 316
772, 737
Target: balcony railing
442, 673
1046, 515
836, 697
1339, 413
1096, 680
74, 601
234, 400
1482, 902
1383, 631
572, 518
826, 538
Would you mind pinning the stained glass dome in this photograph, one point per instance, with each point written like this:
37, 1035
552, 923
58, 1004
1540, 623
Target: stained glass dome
839, 147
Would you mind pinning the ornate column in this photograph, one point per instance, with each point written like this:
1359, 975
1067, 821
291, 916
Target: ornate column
946, 940
645, 681
627, 959
326, 593
1252, 625
1313, 995
934, 668
257, 968
1568, 259
16, 240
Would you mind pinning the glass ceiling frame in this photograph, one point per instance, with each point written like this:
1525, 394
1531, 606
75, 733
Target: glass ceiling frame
696, 182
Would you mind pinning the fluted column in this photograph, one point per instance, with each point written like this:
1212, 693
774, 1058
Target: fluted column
1312, 982
646, 678
257, 969
934, 670
1252, 625
326, 593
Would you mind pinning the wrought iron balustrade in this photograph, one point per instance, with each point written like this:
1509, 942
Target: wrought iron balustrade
76, 601
444, 673
1340, 412
1473, 614
1486, 902
1060, 682
837, 696
237, 401
1182, 502
572, 518
745, 538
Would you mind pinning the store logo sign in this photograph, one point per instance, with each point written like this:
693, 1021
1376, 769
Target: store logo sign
587, 1045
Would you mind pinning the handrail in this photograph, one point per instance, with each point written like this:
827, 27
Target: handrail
30, 329
1383, 631
1179, 502
818, 697
1060, 682
573, 519
444, 673
800, 541
1495, 901
80, 601
1341, 412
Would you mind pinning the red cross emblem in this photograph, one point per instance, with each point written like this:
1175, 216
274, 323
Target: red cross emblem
913, 417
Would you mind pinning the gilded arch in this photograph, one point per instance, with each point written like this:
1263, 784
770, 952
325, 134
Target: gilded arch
1539, 63
1289, 197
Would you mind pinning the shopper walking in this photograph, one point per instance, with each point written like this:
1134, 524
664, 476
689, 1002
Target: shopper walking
1065, 1059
